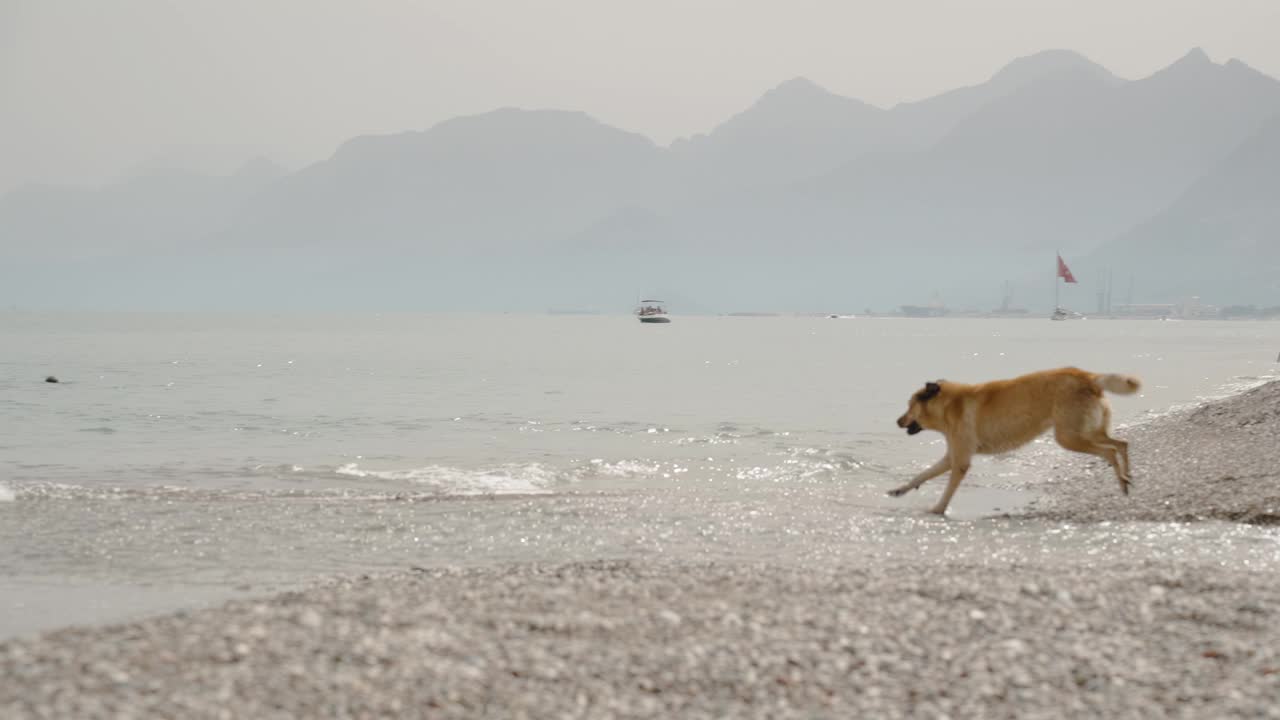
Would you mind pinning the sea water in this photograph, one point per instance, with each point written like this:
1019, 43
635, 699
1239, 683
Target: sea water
184, 458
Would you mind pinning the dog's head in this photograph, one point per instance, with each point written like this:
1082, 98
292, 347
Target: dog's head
922, 409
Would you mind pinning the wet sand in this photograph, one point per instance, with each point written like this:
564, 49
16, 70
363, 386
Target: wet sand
925, 629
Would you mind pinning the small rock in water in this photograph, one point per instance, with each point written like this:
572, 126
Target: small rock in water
51, 379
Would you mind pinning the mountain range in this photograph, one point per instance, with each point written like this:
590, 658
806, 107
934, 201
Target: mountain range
804, 201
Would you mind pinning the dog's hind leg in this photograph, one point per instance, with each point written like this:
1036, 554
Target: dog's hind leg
930, 473
1102, 436
1120, 450
1103, 448
959, 466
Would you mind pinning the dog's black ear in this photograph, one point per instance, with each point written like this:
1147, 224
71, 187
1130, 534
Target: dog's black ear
931, 390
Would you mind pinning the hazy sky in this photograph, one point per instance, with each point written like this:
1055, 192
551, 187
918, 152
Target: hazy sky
92, 90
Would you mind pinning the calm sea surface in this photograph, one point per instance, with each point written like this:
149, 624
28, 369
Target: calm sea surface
185, 458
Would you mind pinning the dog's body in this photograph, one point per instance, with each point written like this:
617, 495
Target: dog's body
1002, 415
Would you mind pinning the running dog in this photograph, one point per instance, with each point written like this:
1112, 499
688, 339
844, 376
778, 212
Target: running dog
1003, 415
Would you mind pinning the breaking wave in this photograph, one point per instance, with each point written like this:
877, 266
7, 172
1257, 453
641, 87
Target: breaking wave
510, 479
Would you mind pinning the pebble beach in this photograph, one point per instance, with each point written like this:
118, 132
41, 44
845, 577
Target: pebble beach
1113, 634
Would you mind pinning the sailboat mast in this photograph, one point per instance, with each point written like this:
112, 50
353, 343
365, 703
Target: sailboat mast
1056, 259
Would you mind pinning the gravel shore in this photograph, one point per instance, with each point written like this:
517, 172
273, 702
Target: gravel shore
944, 634
1220, 460
625, 639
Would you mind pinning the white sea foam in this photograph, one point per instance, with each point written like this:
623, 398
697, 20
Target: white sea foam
6, 494
623, 468
505, 480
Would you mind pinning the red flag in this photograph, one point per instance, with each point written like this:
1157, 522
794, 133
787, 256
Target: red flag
1064, 272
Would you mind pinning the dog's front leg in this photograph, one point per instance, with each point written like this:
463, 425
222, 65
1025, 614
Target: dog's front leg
960, 456
932, 472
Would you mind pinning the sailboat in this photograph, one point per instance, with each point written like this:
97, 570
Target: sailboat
1064, 273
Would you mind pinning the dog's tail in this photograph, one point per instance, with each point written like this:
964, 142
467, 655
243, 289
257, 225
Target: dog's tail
1119, 384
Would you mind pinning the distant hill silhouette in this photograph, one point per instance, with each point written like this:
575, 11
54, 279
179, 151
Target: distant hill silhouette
1063, 162
1219, 240
799, 130
806, 200
499, 180
153, 211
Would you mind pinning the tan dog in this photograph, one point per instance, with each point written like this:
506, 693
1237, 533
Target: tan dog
999, 416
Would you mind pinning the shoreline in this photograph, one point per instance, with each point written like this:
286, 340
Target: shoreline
882, 634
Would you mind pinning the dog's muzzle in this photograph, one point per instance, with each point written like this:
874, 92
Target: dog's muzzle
914, 428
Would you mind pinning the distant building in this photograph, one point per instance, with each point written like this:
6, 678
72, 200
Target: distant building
1192, 308
1149, 310
923, 310
935, 308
